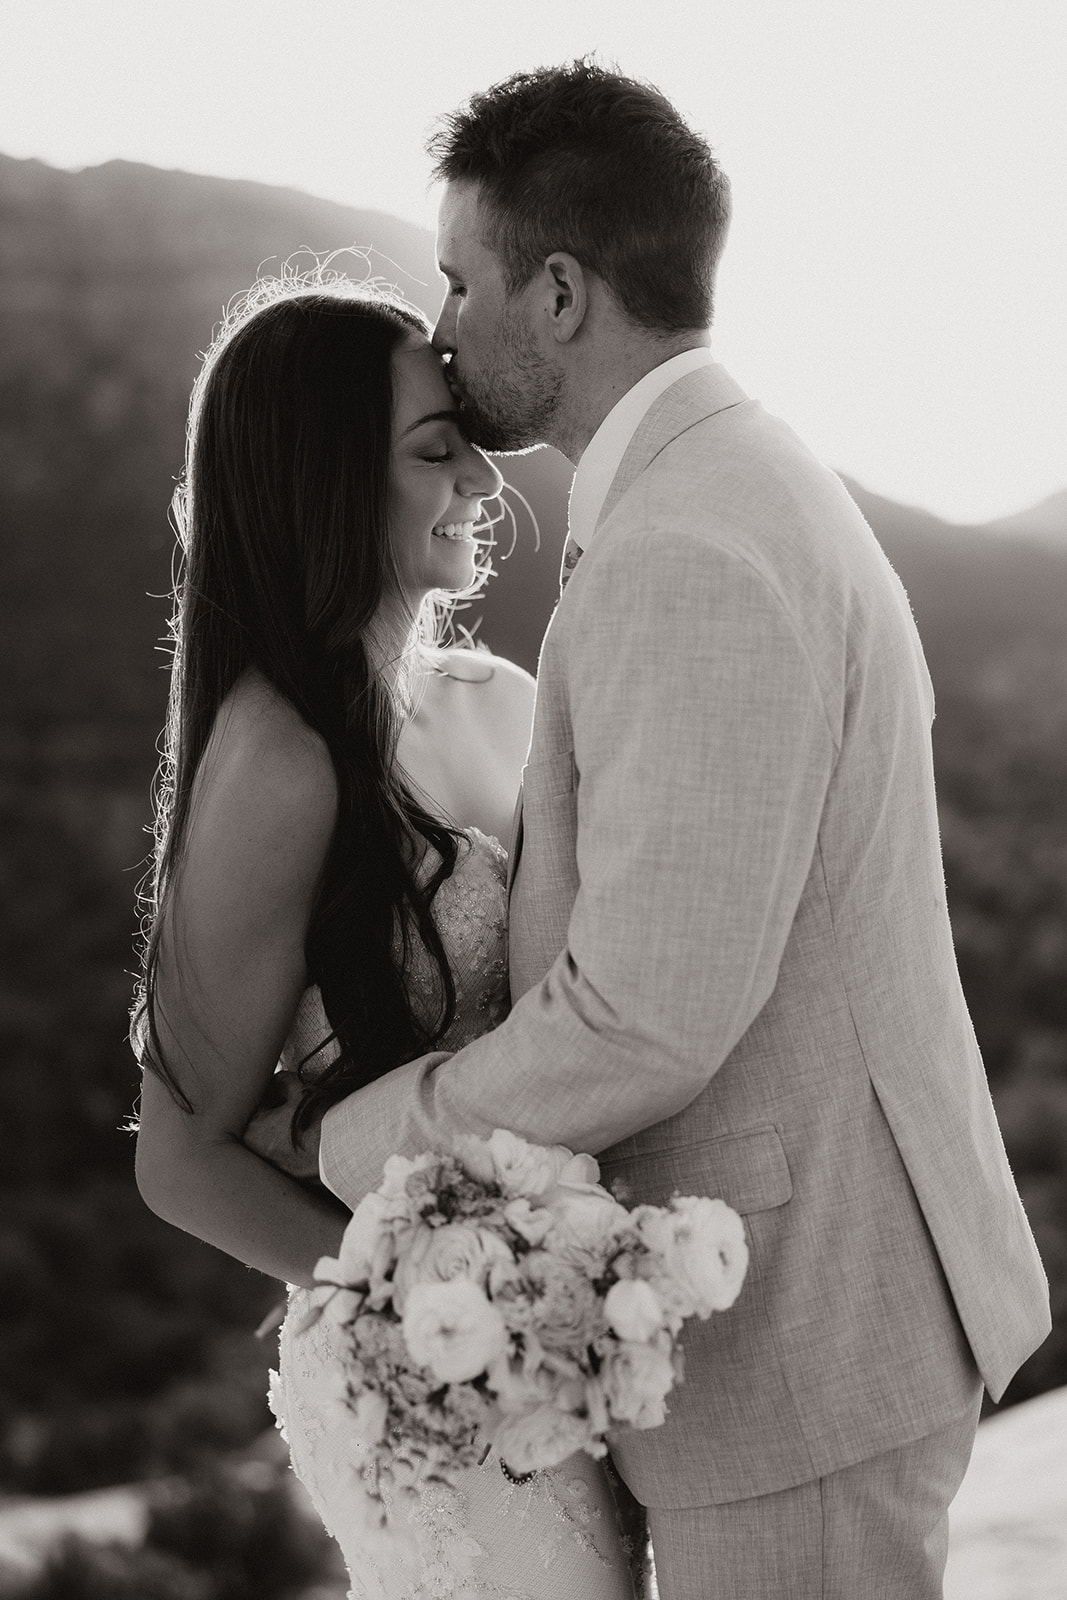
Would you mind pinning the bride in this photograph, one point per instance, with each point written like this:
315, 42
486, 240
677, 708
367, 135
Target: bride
329, 890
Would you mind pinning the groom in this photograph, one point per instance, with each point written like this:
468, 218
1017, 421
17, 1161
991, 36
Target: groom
731, 960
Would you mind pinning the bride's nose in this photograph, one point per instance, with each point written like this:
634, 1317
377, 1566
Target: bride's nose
479, 479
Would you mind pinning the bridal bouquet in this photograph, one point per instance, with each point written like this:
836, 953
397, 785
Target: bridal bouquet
501, 1295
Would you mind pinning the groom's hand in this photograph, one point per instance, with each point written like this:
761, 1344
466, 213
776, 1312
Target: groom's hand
270, 1132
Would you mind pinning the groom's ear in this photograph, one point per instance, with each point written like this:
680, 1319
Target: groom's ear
566, 295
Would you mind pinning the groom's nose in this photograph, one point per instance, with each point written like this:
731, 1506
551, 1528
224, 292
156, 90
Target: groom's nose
444, 335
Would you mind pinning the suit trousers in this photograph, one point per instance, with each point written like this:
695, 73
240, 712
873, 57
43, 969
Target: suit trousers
877, 1530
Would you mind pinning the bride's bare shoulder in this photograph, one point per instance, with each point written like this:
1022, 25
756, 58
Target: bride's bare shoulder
499, 675
491, 696
265, 770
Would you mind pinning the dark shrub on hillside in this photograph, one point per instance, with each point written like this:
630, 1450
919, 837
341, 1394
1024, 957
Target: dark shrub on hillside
243, 1528
224, 1534
132, 1354
81, 1571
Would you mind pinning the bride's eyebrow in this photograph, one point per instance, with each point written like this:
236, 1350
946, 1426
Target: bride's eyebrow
450, 415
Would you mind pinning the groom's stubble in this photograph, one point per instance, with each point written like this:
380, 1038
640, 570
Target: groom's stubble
508, 402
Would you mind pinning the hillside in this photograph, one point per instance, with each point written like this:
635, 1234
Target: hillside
976, 589
111, 281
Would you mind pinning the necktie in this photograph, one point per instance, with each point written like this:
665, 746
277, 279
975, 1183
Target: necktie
572, 554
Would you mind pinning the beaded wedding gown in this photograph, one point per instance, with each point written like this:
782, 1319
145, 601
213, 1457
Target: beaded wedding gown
558, 1536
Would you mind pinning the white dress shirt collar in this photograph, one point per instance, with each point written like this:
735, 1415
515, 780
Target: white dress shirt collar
603, 455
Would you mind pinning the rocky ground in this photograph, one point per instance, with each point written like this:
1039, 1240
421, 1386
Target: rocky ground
1009, 1521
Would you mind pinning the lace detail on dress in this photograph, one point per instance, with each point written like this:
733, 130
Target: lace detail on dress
470, 911
554, 1538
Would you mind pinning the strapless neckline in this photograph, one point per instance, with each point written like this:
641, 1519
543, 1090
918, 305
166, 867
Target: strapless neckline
487, 838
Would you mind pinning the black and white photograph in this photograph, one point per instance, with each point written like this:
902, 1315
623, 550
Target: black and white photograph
533, 800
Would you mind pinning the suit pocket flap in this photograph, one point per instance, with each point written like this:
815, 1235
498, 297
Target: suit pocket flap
747, 1170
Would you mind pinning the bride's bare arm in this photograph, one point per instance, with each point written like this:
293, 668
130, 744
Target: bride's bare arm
231, 972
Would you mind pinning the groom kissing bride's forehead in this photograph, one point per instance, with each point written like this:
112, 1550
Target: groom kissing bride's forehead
579, 232
731, 965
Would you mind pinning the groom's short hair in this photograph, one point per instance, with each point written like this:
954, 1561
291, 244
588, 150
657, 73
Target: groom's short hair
582, 159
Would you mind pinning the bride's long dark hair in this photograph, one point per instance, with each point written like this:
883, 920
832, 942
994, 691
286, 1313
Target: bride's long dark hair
282, 518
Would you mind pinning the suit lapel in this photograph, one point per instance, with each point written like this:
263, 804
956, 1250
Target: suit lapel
698, 395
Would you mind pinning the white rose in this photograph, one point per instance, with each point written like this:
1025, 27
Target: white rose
636, 1380
452, 1329
523, 1168
702, 1245
633, 1310
539, 1438
567, 1311
455, 1250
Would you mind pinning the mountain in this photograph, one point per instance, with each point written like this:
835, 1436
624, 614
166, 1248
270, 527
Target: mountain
111, 282
1046, 520
986, 598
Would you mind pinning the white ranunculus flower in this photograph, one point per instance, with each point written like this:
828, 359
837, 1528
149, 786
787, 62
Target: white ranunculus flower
636, 1381
523, 1168
452, 1329
702, 1243
633, 1310
543, 1437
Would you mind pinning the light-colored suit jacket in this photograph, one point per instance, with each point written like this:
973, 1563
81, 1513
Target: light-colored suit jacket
732, 965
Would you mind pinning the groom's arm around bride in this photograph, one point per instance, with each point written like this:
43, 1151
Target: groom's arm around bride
732, 966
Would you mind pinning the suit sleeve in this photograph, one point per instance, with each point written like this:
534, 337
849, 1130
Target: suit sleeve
703, 753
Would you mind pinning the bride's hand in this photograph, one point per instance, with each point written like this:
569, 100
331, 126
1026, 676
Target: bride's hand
270, 1132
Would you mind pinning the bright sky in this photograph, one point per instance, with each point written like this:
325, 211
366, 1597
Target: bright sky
894, 281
